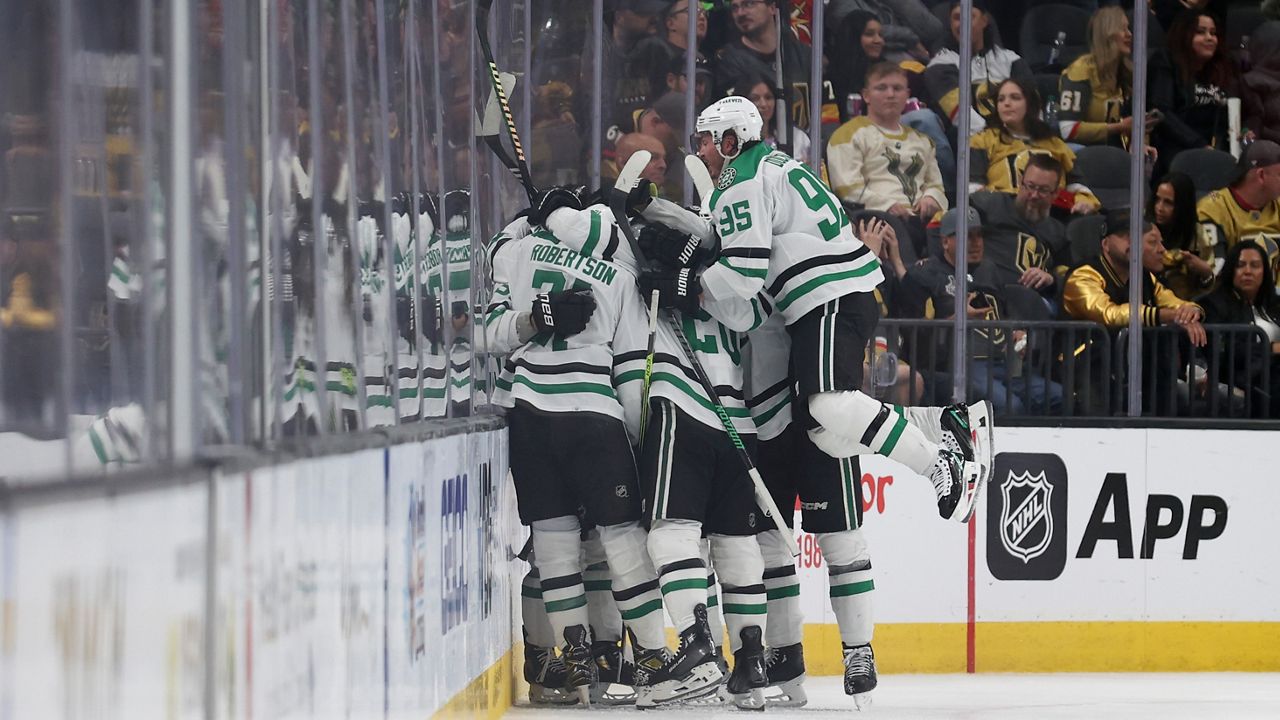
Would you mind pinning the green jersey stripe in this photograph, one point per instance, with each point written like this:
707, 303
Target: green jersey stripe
804, 288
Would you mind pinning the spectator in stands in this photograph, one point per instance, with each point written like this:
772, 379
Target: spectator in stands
878, 163
754, 50
676, 79
999, 154
989, 66
1260, 87
1244, 297
929, 289
1098, 291
1249, 208
673, 39
1189, 83
1187, 268
1167, 10
857, 45
628, 68
910, 29
760, 91
1094, 91
1025, 246
854, 45
631, 143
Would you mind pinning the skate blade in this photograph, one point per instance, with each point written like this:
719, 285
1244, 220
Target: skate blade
584, 695
753, 700
704, 680
790, 694
546, 697
972, 489
862, 700
613, 694
983, 426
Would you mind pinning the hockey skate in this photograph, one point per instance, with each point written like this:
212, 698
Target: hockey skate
859, 674
689, 674
546, 676
785, 668
746, 684
951, 476
615, 676
968, 432
580, 668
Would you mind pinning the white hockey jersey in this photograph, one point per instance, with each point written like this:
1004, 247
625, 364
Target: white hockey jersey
573, 374
713, 335
784, 233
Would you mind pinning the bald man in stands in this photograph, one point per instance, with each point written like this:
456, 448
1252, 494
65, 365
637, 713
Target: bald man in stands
656, 171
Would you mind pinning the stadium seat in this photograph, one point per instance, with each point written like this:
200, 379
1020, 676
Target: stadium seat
1040, 27
1105, 170
1242, 18
1209, 169
1085, 234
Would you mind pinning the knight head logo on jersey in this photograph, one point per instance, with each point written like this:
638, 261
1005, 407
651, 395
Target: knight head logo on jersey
1027, 517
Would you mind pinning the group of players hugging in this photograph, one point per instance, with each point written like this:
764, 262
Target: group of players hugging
638, 495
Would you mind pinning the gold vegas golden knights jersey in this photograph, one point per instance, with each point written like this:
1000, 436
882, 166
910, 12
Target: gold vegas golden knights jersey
1225, 221
997, 160
1085, 106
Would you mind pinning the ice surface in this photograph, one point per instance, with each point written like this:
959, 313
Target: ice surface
1158, 696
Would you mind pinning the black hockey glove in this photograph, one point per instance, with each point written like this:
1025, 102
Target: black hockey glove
677, 289
552, 199
564, 313
432, 324
640, 196
672, 248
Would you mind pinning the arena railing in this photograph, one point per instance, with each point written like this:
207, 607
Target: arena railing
1071, 373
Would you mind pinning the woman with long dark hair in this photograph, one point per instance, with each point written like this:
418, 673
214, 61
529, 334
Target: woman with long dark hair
1015, 131
1244, 296
1187, 263
1190, 81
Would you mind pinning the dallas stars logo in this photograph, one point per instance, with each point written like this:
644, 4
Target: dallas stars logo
727, 177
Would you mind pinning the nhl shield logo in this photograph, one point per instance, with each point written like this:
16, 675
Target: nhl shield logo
1026, 525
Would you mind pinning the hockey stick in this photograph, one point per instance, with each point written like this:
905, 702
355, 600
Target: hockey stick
521, 168
629, 177
618, 204
702, 183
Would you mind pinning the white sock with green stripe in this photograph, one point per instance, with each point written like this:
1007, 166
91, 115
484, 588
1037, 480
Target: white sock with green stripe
533, 614
786, 623
866, 422
682, 575
715, 619
606, 622
849, 567
741, 569
928, 419
634, 582
556, 552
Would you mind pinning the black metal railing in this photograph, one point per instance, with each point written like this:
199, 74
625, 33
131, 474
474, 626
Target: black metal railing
1045, 370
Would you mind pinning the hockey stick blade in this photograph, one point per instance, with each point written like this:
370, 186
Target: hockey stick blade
627, 180
701, 182
491, 123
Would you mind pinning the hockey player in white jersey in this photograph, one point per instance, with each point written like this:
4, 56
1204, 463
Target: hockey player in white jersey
570, 434
784, 234
694, 484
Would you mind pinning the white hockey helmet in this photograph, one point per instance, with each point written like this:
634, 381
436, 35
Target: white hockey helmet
734, 113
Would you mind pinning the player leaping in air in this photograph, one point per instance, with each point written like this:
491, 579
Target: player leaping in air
785, 235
